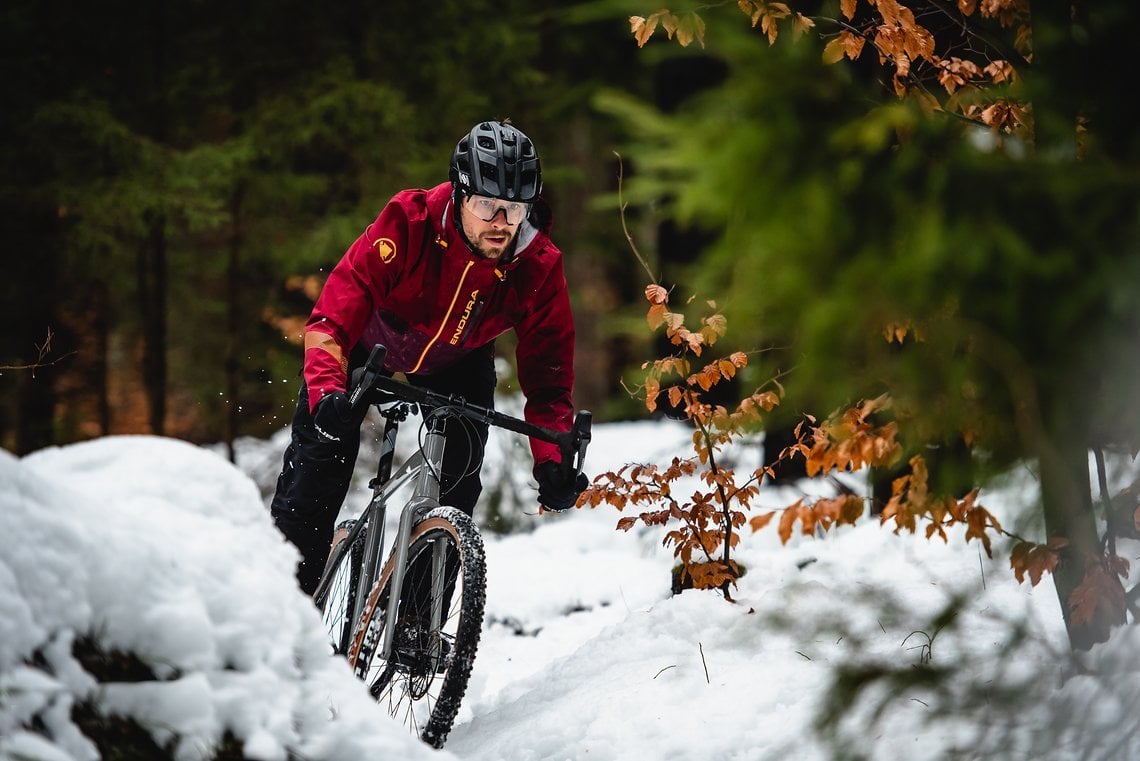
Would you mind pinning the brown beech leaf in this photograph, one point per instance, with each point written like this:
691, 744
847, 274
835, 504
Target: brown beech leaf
894, 332
691, 27
788, 521
652, 389
1034, 560
800, 25
1099, 596
1118, 565
642, 28
656, 294
760, 521
718, 323
767, 400
852, 44
833, 51
710, 575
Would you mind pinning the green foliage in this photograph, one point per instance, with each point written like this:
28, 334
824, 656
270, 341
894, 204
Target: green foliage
836, 218
167, 160
879, 239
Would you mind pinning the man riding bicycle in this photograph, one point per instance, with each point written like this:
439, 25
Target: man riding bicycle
436, 278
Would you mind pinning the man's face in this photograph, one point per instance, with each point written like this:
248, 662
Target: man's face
490, 238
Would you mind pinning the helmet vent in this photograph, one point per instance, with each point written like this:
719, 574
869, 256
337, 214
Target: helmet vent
497, 160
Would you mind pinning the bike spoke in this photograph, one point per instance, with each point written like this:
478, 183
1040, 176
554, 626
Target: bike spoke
426, 675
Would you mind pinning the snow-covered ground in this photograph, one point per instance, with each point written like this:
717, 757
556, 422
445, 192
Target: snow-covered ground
165, 550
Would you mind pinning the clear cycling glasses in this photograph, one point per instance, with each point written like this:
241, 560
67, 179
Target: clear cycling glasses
487, 208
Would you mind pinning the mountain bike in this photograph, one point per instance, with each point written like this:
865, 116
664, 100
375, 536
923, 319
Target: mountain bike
409, 627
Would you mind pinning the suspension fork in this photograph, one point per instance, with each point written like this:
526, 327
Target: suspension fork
425, 496
377, 507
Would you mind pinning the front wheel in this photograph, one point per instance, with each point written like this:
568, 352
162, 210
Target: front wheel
336, 599
424, 677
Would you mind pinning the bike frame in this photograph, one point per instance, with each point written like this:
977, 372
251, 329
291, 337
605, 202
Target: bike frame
423, 469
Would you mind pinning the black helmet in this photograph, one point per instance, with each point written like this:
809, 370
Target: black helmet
496, 160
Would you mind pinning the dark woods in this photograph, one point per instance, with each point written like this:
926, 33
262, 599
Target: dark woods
178, 177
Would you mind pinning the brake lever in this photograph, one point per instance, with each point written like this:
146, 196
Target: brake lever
372, 369
583, 422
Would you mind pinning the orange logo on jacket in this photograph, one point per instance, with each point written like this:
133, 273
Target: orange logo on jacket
386, 248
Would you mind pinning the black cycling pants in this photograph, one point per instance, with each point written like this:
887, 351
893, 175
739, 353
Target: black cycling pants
315, 475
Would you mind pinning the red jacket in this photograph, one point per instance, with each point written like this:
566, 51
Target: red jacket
411, 283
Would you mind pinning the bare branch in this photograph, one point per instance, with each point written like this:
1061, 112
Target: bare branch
42, 352
628, 237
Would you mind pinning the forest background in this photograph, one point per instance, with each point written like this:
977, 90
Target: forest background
950, 216
179, 177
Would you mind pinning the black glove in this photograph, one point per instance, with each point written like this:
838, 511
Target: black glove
558, 489
335, 419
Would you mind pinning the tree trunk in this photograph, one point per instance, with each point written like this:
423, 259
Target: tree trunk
34, 311
152, 309
592, 370
1059, 83
233, 325
1067, 501
153, 289
102, 329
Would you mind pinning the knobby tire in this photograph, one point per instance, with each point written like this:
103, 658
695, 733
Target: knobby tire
426, 699
339, 599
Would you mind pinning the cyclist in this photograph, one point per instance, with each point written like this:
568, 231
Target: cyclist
436, 278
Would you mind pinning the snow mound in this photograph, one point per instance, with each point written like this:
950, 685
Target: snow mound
153, 548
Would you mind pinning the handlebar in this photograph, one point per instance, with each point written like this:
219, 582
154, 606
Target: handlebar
572, 443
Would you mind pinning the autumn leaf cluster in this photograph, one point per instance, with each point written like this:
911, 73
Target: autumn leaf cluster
897, 34
705, 527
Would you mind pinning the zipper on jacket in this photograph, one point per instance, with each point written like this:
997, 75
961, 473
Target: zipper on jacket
472, 323
446, 317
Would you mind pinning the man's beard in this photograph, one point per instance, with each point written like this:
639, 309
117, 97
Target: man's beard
490, 251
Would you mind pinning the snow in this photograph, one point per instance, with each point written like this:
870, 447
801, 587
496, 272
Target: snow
165, 550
